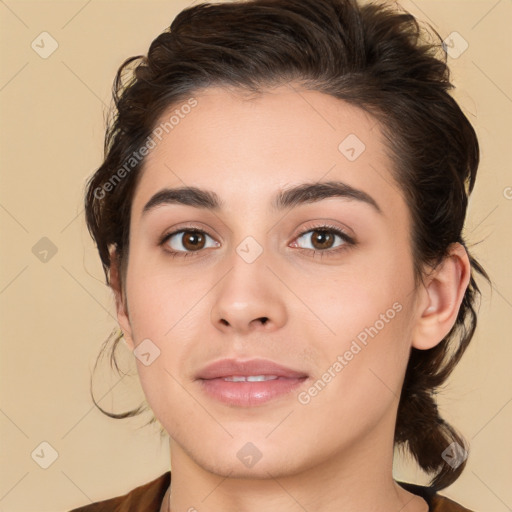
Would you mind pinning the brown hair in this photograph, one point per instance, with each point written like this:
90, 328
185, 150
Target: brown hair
372, 56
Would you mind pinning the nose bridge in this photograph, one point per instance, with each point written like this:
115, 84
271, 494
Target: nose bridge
250, 242
249, 291
248, 278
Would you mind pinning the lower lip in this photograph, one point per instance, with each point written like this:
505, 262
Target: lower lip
248, 394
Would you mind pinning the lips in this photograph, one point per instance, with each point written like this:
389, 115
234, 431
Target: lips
254, 367
248, 383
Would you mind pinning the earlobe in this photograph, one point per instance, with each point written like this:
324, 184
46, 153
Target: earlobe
441, 298
120, 299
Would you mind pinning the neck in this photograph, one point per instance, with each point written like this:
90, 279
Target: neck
354, 479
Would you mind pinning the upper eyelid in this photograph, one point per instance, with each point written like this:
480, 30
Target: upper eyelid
175, 231
323, 228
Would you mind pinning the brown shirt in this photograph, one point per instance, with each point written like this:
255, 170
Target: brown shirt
148, 498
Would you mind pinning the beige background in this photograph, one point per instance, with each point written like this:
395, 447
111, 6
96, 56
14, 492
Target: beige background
56, 314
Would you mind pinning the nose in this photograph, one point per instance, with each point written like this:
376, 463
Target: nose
249, 298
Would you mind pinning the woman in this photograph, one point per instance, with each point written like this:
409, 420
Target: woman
279, 215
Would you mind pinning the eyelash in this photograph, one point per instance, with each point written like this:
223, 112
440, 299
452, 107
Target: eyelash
348, 241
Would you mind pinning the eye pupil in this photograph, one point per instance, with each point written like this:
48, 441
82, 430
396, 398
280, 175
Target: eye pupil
324, 238
192, 240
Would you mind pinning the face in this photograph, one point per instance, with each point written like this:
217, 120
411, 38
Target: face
320, 286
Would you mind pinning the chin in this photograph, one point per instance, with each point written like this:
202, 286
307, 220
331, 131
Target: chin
260, 471
247, 460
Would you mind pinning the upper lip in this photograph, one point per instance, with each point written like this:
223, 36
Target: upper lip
230, 367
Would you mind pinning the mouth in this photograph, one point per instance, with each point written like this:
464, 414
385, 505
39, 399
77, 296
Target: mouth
250, 378
248, 383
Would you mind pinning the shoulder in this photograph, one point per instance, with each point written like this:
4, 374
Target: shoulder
147, 497
436, 502
443, 504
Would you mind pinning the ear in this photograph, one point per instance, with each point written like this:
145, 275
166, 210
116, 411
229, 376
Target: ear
120, 298
441, 298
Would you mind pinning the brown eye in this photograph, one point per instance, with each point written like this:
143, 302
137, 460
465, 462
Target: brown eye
322, 239
193, 240
188, 240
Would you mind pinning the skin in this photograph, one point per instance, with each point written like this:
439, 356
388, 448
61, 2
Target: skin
336, 452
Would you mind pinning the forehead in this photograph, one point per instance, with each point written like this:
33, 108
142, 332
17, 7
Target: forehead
241, 145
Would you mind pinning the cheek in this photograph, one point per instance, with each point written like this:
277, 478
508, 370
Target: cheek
161, 300
165, 308
368, 315
345, 302
360, 381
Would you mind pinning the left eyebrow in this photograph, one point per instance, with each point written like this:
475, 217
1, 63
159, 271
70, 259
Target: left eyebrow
289, 198
314, 192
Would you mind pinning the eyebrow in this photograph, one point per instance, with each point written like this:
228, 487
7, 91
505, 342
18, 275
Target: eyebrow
298, 195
